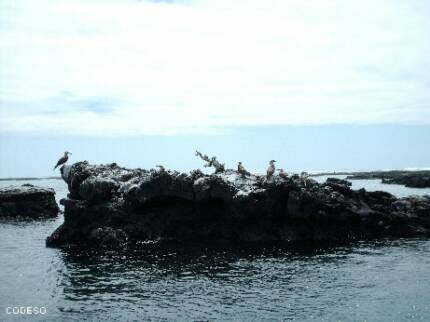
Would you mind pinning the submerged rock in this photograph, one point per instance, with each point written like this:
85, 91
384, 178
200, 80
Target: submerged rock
27, 201
111, 206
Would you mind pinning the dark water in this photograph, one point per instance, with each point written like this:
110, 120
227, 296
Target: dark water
369, 281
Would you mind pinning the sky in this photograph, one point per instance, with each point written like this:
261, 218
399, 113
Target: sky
310, 83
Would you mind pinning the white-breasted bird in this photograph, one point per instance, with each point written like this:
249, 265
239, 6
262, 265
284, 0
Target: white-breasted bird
63, 159
304, 176
271, 169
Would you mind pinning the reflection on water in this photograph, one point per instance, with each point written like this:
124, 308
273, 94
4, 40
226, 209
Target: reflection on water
374, 281
356, 282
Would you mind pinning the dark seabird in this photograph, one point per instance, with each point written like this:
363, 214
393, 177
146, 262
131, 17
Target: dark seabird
63, 159
241, 169
271, 168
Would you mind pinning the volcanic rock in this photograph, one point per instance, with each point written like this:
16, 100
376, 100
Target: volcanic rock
27, 201
111, 205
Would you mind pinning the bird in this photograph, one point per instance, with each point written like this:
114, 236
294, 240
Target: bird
304, 176
63, 159
241, 169
283, 174
162, 169
271, 168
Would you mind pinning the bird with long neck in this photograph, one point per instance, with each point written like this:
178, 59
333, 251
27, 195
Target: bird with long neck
271, 169
63, 159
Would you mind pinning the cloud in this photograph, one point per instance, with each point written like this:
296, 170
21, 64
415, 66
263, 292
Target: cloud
145, 68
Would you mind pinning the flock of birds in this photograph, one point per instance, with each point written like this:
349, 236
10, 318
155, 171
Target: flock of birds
240, 168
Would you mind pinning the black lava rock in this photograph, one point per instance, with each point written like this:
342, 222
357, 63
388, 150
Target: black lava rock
110, 206
27, 201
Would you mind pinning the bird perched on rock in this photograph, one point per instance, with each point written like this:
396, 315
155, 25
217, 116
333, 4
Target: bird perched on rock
241, 169
271, 169
161, 168
304, 176
283, 174
63, 159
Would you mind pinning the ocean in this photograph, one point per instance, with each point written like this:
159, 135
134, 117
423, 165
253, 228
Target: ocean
384, 280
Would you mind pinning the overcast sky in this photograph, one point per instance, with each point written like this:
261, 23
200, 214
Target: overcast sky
136, 67
123, 69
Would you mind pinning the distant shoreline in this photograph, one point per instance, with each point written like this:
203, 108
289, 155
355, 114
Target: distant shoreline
370, 174
333, 173
28, 178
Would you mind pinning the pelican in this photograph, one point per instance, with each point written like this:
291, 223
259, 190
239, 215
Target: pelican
271, 168
63, 159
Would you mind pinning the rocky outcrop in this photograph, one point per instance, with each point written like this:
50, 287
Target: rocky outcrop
27, 201
110, 205
411, 179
